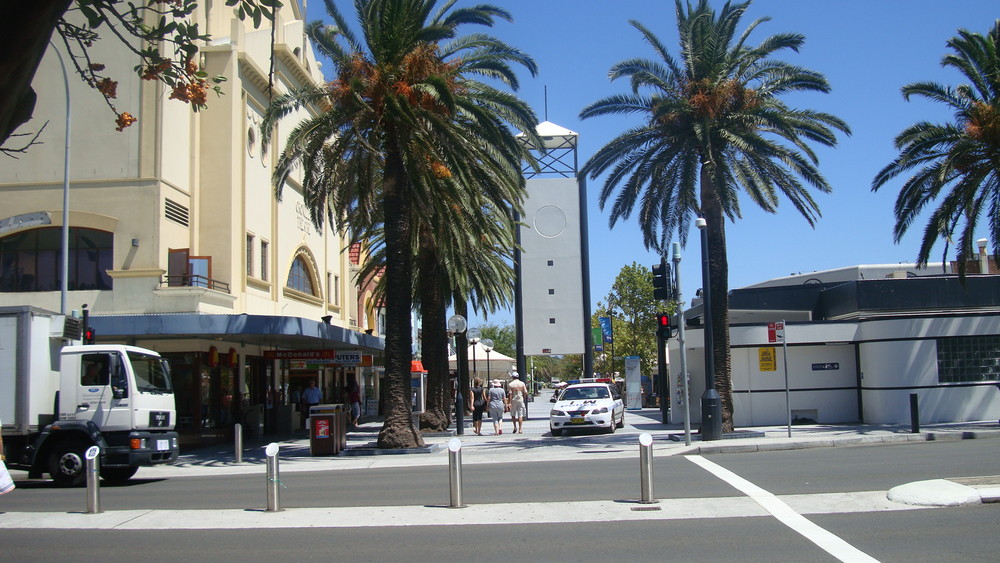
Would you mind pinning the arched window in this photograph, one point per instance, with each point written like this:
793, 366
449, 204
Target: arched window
32, 260
300, 277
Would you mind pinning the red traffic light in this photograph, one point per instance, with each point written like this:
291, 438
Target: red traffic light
663, 325
88, 336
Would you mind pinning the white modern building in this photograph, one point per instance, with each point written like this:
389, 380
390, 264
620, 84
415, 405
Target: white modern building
860, 341
177, 240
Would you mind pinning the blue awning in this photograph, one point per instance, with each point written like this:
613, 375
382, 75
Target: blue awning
264, 330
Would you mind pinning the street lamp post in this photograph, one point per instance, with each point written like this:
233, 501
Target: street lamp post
64, 264
488, 346
456, 326
711, 403
474, 335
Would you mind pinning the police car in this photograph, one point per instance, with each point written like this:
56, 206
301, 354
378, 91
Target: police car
589, 403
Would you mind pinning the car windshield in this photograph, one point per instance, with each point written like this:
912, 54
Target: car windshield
577, 393
152, 375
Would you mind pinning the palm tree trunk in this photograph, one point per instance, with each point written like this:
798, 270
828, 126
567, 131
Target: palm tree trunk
434, 346
718, 268
398, 430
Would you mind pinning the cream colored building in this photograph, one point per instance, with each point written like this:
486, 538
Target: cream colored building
178, 242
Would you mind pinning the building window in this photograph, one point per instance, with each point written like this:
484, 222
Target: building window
263, 259
250, 252
32, 260
552, 320
552, 291
300, 278
968, 359
551, 263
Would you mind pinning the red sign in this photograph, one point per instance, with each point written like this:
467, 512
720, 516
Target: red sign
299, 354
776, 332
322, 428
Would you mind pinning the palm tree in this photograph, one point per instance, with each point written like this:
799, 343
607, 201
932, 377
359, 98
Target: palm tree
394, 129
712, 124
956, 164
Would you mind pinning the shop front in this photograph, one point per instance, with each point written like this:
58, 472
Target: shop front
253, 371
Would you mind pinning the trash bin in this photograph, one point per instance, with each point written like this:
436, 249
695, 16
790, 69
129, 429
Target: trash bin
327, 429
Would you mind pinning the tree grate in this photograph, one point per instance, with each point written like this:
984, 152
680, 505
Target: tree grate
645, 508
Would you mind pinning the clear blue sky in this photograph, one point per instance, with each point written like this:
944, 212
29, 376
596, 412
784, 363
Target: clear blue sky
867, 50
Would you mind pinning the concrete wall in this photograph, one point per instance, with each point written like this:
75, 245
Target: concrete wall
892, 358
551, 267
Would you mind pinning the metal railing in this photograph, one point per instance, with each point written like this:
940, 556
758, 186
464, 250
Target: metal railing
194, 281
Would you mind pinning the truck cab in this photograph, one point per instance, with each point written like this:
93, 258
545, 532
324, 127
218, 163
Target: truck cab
119, 398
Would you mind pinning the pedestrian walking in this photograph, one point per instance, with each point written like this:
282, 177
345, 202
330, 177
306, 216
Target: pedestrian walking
311, 396
479, 402
518, 395
353, 399
497, 402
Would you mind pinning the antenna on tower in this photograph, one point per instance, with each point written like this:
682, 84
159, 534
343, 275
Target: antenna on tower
546, 102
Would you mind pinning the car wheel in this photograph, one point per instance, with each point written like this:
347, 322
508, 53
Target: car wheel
621, 421
118, 474
556, 431
67, 465
611, 425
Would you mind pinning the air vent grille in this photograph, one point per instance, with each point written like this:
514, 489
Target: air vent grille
176, 212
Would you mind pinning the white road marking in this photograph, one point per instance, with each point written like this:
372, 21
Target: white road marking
826, 540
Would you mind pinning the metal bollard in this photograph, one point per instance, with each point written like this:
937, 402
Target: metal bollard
646, 468
238, 438
93, 480
455, 473
914, 414
273, 502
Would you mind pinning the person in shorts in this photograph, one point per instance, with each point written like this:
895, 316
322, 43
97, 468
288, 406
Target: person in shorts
518, 395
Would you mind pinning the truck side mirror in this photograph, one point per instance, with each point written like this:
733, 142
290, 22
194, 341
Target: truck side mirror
118, 392
553, 399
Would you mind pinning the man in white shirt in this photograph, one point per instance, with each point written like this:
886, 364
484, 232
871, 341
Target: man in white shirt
517, 393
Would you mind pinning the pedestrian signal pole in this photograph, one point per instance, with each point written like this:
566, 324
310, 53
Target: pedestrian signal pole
676, 248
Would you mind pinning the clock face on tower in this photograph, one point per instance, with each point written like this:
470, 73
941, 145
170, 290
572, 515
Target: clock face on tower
550, 221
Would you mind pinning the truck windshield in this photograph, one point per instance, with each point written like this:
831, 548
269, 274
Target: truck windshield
151, 373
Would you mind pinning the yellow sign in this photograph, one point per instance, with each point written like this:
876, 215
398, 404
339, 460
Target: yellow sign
768, 360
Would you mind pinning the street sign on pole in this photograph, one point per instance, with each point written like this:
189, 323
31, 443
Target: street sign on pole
776, 332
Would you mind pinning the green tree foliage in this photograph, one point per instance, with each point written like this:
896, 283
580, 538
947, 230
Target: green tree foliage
712, 124
503, 337
632, 310
160, 33
556, 368
955, 165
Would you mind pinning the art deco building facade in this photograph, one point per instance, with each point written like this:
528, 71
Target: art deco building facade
177, 240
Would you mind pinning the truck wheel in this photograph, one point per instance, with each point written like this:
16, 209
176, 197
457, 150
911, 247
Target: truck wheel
68, 464
118, 474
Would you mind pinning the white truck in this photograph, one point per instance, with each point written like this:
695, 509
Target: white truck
58, 398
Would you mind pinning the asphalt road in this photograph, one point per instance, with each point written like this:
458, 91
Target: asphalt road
942, 534
817, 470
954, 535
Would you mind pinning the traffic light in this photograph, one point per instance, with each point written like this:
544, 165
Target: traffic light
88, 336
661, 281
663, 325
